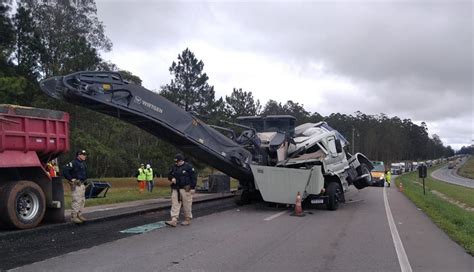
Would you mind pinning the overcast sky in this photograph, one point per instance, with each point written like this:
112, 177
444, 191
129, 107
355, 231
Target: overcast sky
411, 59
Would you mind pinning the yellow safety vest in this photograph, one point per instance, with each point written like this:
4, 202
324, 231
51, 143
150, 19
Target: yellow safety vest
149, 174
141, 174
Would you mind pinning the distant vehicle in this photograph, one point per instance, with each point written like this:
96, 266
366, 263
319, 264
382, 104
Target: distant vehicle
414, 166
402, 166
451, 164
378, 173
396, 168
408, 166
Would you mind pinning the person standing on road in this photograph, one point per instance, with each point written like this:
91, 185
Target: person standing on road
141, 177
388, 178
183, 182
149, 177
75, 173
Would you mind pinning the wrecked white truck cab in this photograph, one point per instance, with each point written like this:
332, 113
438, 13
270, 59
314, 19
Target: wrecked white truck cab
309, 159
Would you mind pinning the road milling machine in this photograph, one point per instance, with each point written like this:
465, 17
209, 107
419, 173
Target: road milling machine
270, 157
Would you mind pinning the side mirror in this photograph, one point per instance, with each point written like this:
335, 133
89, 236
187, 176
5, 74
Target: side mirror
338, 146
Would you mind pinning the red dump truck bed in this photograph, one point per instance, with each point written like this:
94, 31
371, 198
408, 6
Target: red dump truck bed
29, 138
44, 132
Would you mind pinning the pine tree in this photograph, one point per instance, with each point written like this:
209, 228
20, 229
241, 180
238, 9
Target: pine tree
241, 103
189, 88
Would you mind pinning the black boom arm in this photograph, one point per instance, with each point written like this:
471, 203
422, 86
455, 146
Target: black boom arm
108, 93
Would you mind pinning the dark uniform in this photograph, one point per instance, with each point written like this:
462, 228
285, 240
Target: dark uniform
183, 181
185, 175
75, 173
76, 170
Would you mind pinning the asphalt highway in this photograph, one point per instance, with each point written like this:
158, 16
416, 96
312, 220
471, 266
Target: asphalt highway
19, 248
377, 230
450, 176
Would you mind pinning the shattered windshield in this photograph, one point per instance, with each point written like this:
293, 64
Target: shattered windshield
338, 135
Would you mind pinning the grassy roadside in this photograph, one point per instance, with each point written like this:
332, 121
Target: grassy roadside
122, 190
457, 222
467, 170
126, 189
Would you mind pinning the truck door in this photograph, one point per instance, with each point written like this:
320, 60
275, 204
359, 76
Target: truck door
335, 162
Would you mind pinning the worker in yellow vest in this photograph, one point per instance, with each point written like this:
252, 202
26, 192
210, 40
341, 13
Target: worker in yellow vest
149, 177
388, 177
141, 177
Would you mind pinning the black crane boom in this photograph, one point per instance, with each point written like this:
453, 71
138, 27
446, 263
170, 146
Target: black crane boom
108, 93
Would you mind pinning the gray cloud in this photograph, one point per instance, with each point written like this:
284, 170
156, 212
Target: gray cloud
376, 41
413, 59
142, 24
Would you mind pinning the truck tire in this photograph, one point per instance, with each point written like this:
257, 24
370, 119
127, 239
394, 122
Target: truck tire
334, 191
362, 183
22, 204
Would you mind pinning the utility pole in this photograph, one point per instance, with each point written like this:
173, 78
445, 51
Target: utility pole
353, 132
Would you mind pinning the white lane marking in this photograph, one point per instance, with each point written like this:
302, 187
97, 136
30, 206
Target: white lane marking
104, 209
275, 216
402, 255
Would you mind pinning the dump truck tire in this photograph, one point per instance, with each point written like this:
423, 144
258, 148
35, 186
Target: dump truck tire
334, 191
22, 204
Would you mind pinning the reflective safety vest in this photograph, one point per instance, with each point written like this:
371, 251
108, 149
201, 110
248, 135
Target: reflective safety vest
149, 174
51, 170
141, 174
388, 177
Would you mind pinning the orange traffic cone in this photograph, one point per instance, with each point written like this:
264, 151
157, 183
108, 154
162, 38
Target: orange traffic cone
400, 188
298, 207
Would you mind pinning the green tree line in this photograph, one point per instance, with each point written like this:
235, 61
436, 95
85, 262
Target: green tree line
43, 38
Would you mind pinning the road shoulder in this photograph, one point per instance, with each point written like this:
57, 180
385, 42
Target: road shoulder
428, 248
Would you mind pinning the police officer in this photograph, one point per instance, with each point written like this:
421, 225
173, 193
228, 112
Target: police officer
183, 181
75, 173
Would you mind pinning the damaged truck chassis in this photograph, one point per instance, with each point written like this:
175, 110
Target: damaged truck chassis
271, 157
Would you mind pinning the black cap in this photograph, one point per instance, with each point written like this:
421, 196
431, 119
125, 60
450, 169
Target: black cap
178, 157
81, 152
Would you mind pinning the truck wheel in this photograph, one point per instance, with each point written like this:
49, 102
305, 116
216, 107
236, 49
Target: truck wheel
334, 192
22, 204
362, 183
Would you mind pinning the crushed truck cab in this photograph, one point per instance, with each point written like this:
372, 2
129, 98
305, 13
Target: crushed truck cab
309, 158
